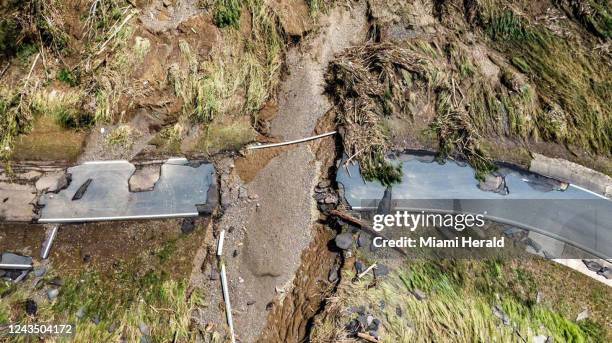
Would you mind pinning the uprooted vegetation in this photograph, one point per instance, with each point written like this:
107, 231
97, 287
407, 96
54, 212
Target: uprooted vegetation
94, 64
513, 78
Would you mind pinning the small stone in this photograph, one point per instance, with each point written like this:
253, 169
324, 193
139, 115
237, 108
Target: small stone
112, 327
81, 312
344, 241
540, 339
363, 240
582, 315
380, 270
188, 225
52, 293
214, 275
56, 281
326, 207
512, 231
242, 193
538, 297
398, 311
235, 253
359, 267
374, 325
95, 319
333, 274
31, 307
320, 197
145, 339
324, 184
40, 271
419, 294
592, 265
144, 328
606, 272
269, 306
499, 313
363, 320
491, 183
381, 304
353, 327
331, 199
250, 302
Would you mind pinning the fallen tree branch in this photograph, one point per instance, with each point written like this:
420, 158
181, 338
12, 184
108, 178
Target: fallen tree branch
367, 337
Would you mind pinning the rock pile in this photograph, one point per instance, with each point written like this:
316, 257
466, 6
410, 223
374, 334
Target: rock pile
326, 196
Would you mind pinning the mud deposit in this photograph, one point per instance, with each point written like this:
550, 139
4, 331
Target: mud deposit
290, 318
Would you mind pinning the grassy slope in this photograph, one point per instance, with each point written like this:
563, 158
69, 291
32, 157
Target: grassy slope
149, 286
461, 296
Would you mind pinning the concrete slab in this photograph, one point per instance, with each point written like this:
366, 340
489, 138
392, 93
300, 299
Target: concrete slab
179, 189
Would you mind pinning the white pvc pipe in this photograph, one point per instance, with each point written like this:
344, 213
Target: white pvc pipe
253, 147
47, 247
220, 243
228, 306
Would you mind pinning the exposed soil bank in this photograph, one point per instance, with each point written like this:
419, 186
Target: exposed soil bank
270, 215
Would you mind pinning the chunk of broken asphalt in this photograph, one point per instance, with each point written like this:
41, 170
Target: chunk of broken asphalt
81, 191
10, 258
380, 270
188, 225
592, 265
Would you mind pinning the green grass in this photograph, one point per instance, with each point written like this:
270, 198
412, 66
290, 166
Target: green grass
9, 124
248, 65
67, 77
149, 287
121, 136
64, 107
227, 13
572, 87
9, 32
461, 296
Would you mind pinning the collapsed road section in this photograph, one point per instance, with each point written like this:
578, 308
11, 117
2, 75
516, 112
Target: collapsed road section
100, 191
566, 213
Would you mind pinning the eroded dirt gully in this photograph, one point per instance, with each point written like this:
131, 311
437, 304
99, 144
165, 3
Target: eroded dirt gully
275, 249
